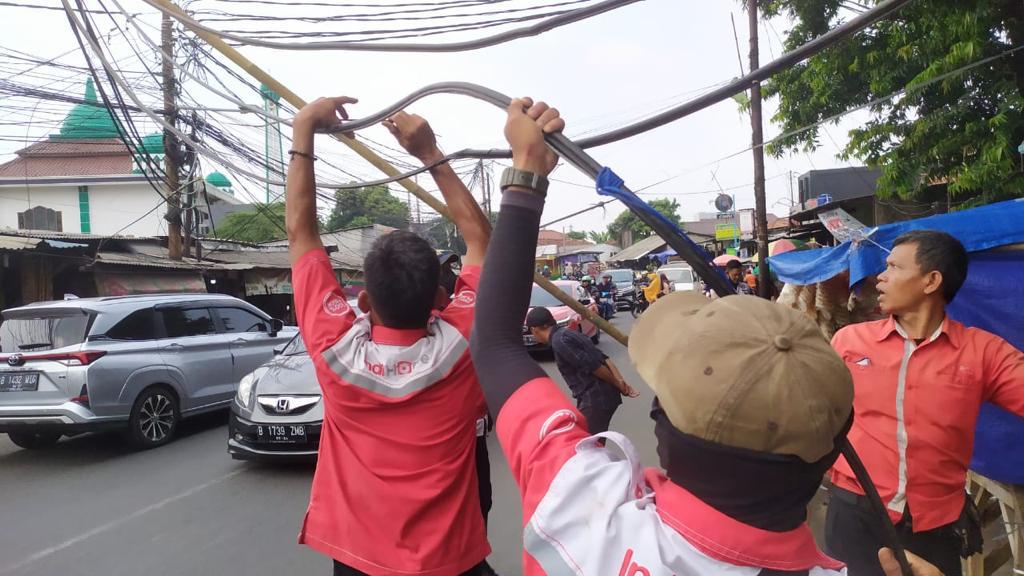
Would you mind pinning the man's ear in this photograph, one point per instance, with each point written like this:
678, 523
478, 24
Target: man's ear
932, 282
363, 300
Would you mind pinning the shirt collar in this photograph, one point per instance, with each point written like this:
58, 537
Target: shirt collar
728, 540
951, 328
396, 336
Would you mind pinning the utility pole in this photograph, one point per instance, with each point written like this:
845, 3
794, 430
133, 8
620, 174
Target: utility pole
760, 205
173, 215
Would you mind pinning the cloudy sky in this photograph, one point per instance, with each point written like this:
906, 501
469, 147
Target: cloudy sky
601, 73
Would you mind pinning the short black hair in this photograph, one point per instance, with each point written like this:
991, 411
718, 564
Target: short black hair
941, 252
402, 273
733, 264
539, 317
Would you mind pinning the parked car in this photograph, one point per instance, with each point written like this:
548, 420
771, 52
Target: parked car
564, 316
139, 363
680, 277
623, 279
277, 411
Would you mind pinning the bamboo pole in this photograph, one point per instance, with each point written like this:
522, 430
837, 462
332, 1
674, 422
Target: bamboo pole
380, 163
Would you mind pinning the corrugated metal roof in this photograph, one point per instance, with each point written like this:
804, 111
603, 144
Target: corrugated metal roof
146, 261
546, 251
640, 249
19, 242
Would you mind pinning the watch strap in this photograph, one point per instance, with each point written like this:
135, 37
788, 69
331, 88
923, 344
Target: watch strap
524, 179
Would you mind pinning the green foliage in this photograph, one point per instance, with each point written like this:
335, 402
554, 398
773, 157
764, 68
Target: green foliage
600, 236
261, 224
365, 206
963, 129
628, 221
576, 235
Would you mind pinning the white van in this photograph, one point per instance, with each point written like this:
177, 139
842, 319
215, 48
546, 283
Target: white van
680, 277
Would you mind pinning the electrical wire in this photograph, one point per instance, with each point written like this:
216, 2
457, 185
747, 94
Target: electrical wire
527, 31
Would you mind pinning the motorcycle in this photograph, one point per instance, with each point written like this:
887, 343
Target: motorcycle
639, 303
606, 304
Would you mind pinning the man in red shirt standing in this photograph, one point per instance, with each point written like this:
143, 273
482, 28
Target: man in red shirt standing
395, 489
919, 381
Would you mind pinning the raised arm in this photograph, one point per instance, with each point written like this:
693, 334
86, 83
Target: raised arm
415, 135
300, 188
502, 362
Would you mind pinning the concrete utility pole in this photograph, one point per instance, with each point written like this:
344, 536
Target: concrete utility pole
173, 216
760, 207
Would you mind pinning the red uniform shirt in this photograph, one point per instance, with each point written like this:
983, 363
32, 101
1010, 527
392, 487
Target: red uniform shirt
598, 518
395, 489
915, 407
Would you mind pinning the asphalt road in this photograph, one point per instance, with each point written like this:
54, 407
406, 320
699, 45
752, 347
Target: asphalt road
93, 506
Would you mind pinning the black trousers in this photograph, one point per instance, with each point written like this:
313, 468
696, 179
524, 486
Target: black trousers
598, 418
853, 534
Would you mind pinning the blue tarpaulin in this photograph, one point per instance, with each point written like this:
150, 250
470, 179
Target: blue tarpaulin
990, 299
978, 229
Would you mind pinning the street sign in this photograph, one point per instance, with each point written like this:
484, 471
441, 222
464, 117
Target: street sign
723, 202
843, 225
728, 231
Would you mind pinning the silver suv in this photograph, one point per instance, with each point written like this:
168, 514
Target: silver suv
135, 362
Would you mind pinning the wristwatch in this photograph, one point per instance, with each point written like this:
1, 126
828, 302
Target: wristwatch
524, 179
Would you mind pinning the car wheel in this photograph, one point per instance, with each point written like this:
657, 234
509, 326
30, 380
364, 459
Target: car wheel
154, 418
34, 440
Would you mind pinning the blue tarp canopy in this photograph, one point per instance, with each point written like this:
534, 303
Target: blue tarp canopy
978, 229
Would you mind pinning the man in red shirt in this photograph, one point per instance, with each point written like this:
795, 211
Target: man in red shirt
919, 380
395, 490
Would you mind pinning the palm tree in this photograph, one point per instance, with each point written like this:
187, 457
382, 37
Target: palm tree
600, 236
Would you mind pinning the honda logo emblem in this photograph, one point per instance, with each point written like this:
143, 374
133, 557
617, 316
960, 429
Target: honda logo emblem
16, 359
282, 405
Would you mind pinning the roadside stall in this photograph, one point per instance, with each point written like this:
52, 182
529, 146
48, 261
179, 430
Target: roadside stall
836, 286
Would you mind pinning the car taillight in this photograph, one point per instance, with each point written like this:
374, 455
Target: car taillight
82, 398
83, 358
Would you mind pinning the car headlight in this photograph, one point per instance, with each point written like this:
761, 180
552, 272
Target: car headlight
247, 387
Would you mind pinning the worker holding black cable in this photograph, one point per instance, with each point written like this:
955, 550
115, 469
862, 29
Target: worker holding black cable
747, 424
920, 378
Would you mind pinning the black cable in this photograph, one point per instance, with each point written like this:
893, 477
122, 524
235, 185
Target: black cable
532, 30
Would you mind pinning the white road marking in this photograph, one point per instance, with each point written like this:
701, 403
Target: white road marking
115, 523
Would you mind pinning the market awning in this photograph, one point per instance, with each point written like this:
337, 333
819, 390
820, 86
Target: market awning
640, 249
978, 229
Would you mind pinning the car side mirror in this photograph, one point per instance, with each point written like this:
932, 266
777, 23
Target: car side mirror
276, 326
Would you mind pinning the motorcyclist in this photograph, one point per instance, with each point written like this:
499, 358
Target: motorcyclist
588, 284
606, 289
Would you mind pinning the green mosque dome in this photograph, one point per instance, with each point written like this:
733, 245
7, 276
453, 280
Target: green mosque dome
89, 120
219, 180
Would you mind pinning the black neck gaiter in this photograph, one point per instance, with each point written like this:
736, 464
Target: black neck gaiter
760, 489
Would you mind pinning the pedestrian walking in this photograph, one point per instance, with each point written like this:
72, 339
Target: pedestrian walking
592, 377
920, 378
395, 490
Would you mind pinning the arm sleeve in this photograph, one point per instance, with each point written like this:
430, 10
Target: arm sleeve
321, 309
1004, 376
501, 360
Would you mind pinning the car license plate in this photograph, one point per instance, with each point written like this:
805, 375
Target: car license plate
281, 434
19, 381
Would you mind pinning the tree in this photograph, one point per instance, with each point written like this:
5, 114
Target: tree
628, 221
365, 206
963, 129
258, 225
600, 236
576, 235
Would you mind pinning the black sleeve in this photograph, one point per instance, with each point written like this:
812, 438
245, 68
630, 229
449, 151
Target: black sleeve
503, 296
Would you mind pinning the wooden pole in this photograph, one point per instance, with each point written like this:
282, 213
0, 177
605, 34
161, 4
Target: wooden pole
381, 164
757, 129
170, 142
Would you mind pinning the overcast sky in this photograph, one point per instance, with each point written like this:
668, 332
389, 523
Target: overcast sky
601, 73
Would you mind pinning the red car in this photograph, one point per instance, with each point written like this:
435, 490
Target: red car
565, 316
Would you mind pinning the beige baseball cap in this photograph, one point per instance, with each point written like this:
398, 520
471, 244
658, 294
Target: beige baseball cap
744, 372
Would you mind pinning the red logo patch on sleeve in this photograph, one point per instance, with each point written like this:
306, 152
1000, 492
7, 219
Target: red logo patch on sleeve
335, 304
